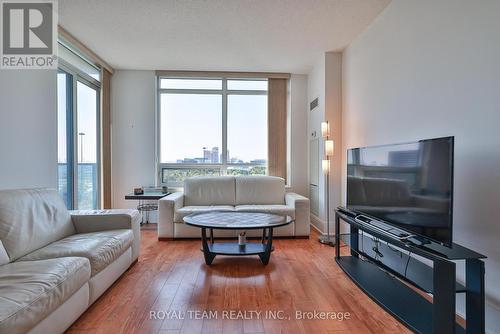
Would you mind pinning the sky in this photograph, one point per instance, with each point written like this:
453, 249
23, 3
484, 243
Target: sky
191, 122
86, 98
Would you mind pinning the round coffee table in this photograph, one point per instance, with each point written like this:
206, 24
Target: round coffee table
222, 220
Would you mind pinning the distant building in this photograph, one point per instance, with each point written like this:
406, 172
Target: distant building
207, 155
210, 156
235, 160
259, 161
215, 155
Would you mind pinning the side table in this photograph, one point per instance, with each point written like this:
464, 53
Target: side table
146, 208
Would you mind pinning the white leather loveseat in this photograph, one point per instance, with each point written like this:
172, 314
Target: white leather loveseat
230, 193
54, 264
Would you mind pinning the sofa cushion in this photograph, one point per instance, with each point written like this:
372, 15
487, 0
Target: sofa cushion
30, 291
260, 190
218, 190
101, 248
278, 209
187, 210
31, 219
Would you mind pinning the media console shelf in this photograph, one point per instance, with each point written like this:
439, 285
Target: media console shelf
377, 278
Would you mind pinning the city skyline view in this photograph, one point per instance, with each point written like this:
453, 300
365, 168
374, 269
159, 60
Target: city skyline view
214, 156
191, 123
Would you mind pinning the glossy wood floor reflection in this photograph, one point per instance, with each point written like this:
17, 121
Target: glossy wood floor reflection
171, 276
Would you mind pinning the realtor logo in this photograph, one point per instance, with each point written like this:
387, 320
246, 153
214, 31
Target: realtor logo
28, 34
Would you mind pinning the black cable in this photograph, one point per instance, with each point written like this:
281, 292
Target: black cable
376, 247
388, 273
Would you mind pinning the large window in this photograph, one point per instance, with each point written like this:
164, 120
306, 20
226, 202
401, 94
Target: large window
212, 126
78, 121
190, 123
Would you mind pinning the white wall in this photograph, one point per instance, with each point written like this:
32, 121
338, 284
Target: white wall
133, 133
430, 68
333, 114
316, 89
325, 83
28, 129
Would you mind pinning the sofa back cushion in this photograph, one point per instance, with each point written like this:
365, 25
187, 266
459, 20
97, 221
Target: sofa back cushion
31, 219
218, 190
260, 190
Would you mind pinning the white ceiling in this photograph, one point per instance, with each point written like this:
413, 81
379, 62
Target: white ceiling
220, 35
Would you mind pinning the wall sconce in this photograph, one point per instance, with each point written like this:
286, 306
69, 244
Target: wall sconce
325, 129
329, 147
325, 165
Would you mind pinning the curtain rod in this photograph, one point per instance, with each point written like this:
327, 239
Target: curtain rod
219, 74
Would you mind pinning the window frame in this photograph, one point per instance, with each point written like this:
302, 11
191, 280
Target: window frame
224, 93
79, 76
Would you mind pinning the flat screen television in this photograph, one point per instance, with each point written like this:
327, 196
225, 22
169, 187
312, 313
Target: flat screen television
409, 186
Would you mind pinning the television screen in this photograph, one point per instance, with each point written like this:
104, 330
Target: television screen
407, 185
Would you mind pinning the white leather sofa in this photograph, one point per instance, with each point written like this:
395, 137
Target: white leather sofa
229, 193
54, 264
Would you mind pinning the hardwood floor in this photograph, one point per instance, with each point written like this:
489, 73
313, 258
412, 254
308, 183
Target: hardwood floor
171, 277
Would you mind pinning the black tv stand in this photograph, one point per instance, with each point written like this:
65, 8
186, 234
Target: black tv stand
402, 299
419, 241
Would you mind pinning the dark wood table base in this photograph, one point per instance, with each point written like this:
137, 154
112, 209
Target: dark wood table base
263, 249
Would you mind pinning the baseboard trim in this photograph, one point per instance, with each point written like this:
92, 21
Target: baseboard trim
316, 222
317, 229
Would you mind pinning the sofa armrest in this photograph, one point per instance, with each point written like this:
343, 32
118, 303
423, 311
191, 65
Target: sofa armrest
87, 221
291, 199
167, 206
302, 213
